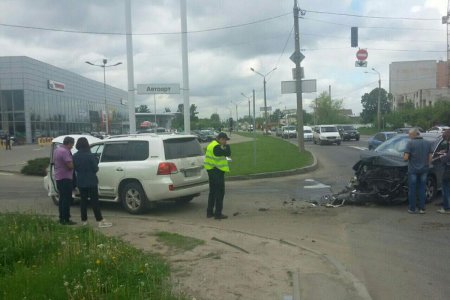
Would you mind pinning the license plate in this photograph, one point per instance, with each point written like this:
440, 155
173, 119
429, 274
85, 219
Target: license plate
191, 172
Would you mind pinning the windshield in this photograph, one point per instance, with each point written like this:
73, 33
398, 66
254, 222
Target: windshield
307, 131
394, 146
349, 128
289, 128
329, 129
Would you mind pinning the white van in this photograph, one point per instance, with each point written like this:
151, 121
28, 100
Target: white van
326, 134
307, 133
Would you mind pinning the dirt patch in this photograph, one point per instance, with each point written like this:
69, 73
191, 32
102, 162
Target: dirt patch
230, 264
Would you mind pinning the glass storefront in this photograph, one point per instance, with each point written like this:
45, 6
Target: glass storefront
30, 108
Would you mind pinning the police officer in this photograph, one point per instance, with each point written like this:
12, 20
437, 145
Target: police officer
216, 164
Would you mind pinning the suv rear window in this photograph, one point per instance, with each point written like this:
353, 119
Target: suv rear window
182, 147
126, 151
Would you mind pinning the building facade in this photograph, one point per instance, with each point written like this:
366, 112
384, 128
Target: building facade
421, 83
41, 100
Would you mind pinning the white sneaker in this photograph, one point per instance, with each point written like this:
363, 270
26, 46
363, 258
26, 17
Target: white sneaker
443, 211
103, 224
84, 223
421, 211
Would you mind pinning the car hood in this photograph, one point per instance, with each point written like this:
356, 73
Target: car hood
380, 159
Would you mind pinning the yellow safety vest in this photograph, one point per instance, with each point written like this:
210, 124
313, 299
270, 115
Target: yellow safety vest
212, 161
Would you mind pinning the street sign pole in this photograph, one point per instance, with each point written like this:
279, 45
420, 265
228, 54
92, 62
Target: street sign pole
297, 59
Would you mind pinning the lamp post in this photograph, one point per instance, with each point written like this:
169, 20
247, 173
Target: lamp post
248, 98
104, 66
265, 100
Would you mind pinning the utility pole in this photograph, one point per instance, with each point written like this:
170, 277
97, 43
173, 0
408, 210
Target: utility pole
297, 58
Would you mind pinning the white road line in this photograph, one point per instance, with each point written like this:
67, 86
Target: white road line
359, 148
6, 174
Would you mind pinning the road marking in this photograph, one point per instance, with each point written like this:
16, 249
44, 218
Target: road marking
6, 174
359, 148
37, 149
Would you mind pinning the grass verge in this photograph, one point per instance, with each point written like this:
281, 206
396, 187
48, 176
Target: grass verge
272, 154
40, 259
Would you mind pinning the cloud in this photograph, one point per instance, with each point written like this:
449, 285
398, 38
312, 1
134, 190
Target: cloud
225, 39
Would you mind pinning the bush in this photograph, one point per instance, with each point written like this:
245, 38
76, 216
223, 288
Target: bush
36, 167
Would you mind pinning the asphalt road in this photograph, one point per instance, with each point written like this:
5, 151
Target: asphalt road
395, 254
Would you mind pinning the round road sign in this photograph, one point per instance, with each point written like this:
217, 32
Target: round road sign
362, 54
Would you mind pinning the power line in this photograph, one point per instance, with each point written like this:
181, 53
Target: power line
371, 17
285, 44
144, 34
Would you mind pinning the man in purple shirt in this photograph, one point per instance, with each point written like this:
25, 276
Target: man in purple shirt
63, 166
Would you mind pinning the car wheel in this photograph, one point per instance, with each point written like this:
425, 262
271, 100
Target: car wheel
357, 139
430, 189
314, 141
338, 143
133, 198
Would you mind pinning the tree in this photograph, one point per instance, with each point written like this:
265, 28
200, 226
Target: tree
369, 103
327, 111
142, 109
178, 121
276, 116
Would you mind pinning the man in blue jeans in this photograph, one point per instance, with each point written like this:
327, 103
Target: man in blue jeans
418, 153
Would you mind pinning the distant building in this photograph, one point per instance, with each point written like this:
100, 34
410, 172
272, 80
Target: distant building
419, 82
41, 100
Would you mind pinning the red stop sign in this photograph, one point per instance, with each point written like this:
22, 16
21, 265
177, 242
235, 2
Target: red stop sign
362, 54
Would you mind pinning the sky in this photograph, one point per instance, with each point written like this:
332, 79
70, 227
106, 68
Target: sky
225, 39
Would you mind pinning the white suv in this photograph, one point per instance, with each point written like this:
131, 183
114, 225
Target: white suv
137, 170
326, 134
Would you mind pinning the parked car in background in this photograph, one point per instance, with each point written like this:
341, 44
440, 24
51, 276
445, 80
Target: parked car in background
289, 132
382, 175
348, 132
379, 138
326, 134
139, 169
438, 129
307, 133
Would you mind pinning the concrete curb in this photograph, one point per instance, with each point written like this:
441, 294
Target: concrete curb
303, 170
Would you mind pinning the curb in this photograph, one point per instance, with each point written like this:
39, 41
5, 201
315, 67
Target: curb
303, 170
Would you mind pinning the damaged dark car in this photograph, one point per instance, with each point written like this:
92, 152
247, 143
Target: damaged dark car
381, 175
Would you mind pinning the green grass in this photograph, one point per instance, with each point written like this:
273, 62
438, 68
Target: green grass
368, 130
178, 242
40, 259
272, 154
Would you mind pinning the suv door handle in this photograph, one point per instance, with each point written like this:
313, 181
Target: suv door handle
119, 169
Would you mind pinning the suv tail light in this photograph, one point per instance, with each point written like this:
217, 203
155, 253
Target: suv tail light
166, 168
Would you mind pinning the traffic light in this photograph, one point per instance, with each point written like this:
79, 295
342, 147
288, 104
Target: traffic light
231, 122
354, 36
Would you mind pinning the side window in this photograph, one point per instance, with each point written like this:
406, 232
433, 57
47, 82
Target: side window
137, 150
97, 150
114, 152
443, 146
380, 137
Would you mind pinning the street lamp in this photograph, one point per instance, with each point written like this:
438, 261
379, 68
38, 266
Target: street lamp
104, 66
265, 100
248, 98
379, 99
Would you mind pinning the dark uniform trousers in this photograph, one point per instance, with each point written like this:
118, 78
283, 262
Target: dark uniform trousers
216, 191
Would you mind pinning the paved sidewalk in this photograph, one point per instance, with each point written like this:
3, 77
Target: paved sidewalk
14, 160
